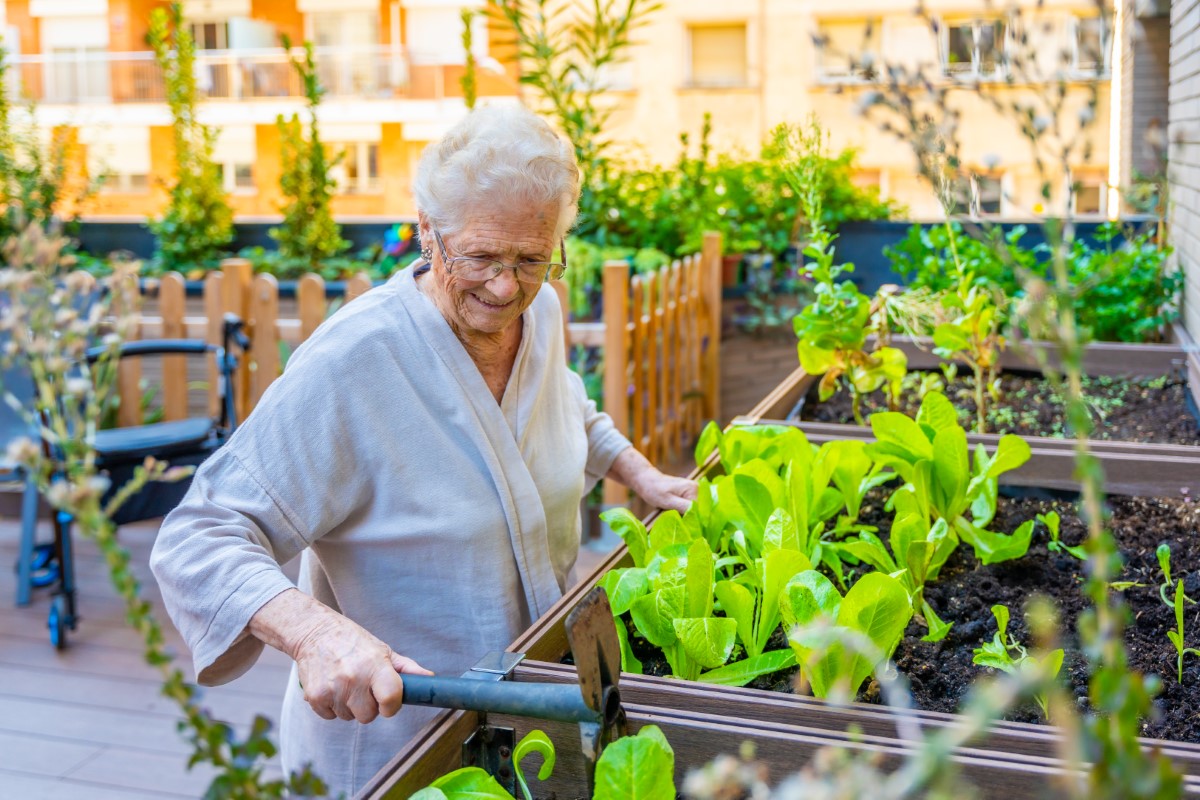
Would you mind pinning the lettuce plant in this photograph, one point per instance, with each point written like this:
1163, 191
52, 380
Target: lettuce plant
932, 456
827, 630
917, 552
973, 336
1052, 523
1005, 653
669, 595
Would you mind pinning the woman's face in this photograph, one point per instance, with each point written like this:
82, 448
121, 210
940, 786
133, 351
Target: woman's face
524, 233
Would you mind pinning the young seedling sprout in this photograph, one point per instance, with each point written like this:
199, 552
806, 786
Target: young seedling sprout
1051, 520
1176, 636
1164, 562
1005, 653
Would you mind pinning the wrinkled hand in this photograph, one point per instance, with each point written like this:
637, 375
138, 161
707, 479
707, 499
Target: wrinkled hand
666, 491
349, 674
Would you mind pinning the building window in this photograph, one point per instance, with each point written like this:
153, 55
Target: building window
1090, 46
979, 196
988, 195
848, 51
717, 55
1087, 197
974, 49
358, 171
77, 75
210, 35
237, 177
118, 158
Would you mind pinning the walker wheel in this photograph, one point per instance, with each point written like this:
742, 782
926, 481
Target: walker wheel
57, 622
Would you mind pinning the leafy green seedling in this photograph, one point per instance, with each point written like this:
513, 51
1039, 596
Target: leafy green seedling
932, 456
1164, 562
1176, 636
819, 618
1005, 653
473, 783
918, 551
1052, 523
640, 767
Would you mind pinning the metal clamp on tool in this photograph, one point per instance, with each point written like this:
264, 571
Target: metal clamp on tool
594, 704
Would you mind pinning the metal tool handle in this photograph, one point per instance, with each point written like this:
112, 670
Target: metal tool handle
552, 701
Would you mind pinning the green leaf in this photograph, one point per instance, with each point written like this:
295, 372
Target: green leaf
654, 613
778, 568
992, 548
739, 673
937, 627
698, 598
738, 604
667, 530
1011, 452
868, 548
707, 640
1000, 612
937, 412
950, 337
710, 440
951, 471
629, 662
470, 783
879, 607
815, 360
896, 434
631, 530
808, 596
429, 793
780, 533
623, 586
638, 767
533, 742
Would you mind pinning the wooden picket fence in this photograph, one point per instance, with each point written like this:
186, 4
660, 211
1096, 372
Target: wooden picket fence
660, 336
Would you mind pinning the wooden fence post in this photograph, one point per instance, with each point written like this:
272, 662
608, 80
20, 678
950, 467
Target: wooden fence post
264, 310
616, 360
129, 370
172, 308
310, 301
711, 281
357, 286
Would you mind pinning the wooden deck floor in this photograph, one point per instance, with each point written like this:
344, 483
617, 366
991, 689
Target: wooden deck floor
88, 722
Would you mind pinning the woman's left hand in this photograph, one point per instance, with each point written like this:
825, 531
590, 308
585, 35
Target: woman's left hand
667, 491
651, 484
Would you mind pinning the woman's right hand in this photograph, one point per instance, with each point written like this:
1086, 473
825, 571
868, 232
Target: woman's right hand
346, 672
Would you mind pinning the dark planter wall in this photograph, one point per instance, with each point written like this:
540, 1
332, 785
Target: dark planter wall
862, 243
101, 238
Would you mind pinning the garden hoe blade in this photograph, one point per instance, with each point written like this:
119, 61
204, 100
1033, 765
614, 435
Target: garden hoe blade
592, 634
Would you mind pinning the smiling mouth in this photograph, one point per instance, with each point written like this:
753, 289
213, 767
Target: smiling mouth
494, 306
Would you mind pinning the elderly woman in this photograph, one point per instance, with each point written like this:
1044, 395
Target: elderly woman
425, 451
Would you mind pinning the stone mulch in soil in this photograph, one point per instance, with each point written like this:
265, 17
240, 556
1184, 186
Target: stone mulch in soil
1153, 410
940, 673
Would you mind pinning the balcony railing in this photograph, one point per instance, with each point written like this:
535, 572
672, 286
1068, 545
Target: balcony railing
99, 77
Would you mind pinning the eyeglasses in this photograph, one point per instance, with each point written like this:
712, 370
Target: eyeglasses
471, 268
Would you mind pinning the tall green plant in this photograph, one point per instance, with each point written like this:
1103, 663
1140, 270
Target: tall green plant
308, 232
198, 221
468, 81
565, 52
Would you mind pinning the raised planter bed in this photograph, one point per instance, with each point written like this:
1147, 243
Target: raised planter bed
1133, 468
1009, 759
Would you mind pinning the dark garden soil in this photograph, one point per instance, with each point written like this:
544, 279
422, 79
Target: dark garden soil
940, 673
1124, 409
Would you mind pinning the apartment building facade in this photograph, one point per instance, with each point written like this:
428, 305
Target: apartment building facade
391, 69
